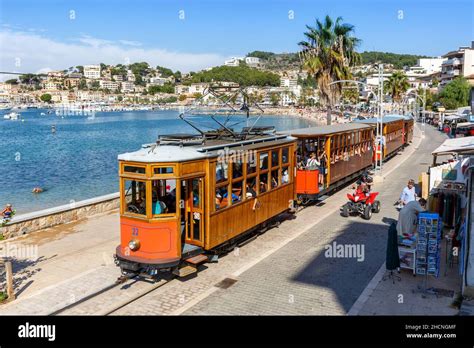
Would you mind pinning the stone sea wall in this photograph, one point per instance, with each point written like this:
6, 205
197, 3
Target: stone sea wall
31, 222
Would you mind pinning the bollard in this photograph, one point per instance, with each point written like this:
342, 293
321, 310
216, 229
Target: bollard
9, 274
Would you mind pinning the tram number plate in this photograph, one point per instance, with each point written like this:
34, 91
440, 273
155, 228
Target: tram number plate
134, 231
196, 216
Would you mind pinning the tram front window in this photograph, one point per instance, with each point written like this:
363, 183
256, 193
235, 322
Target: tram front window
163, 197
135, 197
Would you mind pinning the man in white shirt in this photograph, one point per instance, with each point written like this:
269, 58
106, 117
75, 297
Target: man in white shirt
312, 163
408, 193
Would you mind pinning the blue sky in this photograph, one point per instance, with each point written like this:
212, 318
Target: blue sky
212, 30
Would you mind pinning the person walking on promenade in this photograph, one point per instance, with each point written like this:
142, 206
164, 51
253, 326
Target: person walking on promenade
408, 193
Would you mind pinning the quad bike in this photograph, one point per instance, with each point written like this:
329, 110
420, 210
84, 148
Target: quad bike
362, 201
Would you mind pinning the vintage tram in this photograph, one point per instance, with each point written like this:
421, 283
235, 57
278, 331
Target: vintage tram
344, 151
393, 133
184, 198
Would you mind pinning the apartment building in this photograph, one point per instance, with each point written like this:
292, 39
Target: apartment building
92, 72
458, 63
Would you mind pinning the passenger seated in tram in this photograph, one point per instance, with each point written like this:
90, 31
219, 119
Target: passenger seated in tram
251, 193
235, 198
285, 178
158, 207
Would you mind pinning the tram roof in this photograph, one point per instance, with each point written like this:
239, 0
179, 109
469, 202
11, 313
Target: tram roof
385, 119
323, 130
159, 153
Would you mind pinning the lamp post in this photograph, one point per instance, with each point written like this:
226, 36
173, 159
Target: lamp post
423, 101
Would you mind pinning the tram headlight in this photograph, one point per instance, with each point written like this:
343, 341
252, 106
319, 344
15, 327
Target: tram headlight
134, 244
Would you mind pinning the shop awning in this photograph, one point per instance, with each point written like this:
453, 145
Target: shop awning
451, 118
458, 145
465, 125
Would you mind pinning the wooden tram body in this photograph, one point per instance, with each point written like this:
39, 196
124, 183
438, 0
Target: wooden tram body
408, 129
393, 133
345, 150
214, 193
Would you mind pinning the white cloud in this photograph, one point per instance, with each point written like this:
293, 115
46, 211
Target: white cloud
34, 53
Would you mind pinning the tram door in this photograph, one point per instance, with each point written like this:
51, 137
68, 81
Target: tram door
193, 196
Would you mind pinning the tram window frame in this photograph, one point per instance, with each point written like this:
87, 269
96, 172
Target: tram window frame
261, 171
225, 170
123, 198
129, 165
278, 159
167, 168
287, 150
176, 200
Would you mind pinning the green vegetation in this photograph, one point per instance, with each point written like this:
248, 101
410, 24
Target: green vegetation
243, 75
397, 60
261, 54
327, 54
46, 98
165, 72
80, 69
12, 81
3, 296
140, 70
166, 88
30, 79
455, 94
2, 237
396, 85
171, 99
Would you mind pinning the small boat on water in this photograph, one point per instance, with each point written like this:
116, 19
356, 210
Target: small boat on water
11, 116
43, 114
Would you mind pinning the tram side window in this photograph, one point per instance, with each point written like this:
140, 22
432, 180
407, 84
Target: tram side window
221, 171
237, 168
264, 161
135, 197
275, 158
251, 188
263, 183
237, 190
285, 155
222, 199
133, 169
275, 180
251, 164
285, 175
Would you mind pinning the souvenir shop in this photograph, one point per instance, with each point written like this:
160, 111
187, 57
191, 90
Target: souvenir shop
450, 199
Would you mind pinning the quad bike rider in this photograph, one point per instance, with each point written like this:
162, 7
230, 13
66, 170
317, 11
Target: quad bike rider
362, 201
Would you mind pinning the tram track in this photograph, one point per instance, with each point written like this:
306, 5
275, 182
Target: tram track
71, 309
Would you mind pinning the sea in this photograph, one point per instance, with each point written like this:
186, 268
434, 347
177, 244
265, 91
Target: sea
73, 157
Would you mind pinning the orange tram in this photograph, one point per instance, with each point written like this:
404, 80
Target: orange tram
188, 198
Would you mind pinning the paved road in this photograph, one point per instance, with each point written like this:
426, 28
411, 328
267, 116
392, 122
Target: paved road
300, 279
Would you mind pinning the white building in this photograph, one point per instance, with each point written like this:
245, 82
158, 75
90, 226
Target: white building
458, 63
428, 66
108, 84
158, 81
92, 72
128, 87
288, 82
252, 61
234, 61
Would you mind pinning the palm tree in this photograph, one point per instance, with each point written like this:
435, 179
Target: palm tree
396, 85
327, 54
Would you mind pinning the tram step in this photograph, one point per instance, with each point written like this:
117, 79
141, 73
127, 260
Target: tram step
185, 271
195, 260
